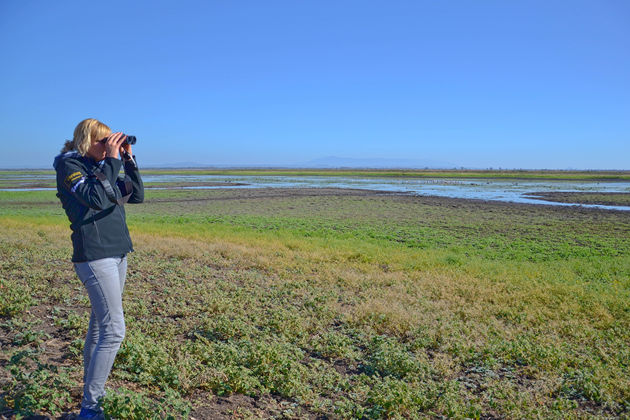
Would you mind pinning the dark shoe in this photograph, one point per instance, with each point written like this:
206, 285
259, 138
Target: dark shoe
87, 414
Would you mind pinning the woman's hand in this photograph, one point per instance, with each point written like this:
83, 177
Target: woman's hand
113, 144
127, 148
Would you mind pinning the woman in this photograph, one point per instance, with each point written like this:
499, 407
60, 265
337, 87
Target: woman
93, 196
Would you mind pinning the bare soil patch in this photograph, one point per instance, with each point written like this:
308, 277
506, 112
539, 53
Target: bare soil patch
601, 198
239, 406
254, 193
437, 201
176, 185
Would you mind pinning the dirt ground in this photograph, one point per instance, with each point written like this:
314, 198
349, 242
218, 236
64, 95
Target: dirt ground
266, 193
601, 198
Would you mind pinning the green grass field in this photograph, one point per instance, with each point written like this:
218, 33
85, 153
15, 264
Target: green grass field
281, 303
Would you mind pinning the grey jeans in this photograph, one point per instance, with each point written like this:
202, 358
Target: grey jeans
104, 281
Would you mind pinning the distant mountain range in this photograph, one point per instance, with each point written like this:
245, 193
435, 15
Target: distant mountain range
345, 162
327, 163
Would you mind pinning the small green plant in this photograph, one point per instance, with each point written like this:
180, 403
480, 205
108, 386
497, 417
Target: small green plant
129, 405
16, 298
36, 386
393, 398
29, 336
75, 324
140, 359
333, 344
387, 357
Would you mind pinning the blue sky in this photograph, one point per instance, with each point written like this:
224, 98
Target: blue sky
511, 84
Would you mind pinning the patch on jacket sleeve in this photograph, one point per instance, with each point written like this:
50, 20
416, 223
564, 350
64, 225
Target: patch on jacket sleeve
73, 180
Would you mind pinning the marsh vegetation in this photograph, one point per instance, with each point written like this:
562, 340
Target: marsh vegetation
328, 303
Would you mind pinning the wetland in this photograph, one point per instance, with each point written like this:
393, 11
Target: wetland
607, 190
329, 302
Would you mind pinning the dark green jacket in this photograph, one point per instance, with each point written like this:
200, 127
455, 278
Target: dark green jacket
99, 227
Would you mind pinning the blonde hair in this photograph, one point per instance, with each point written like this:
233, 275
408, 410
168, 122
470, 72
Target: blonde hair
86, 131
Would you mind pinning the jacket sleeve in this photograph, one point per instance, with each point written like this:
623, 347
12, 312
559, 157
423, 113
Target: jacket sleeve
87, 189
132, 172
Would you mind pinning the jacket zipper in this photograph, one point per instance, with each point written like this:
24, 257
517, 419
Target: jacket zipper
98, 234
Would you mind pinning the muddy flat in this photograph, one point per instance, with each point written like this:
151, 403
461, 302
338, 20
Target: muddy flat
175, 185
601, 198
228, 194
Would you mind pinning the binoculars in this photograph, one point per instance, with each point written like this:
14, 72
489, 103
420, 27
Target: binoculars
129, 140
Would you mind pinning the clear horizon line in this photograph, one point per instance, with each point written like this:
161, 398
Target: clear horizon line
298, 167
